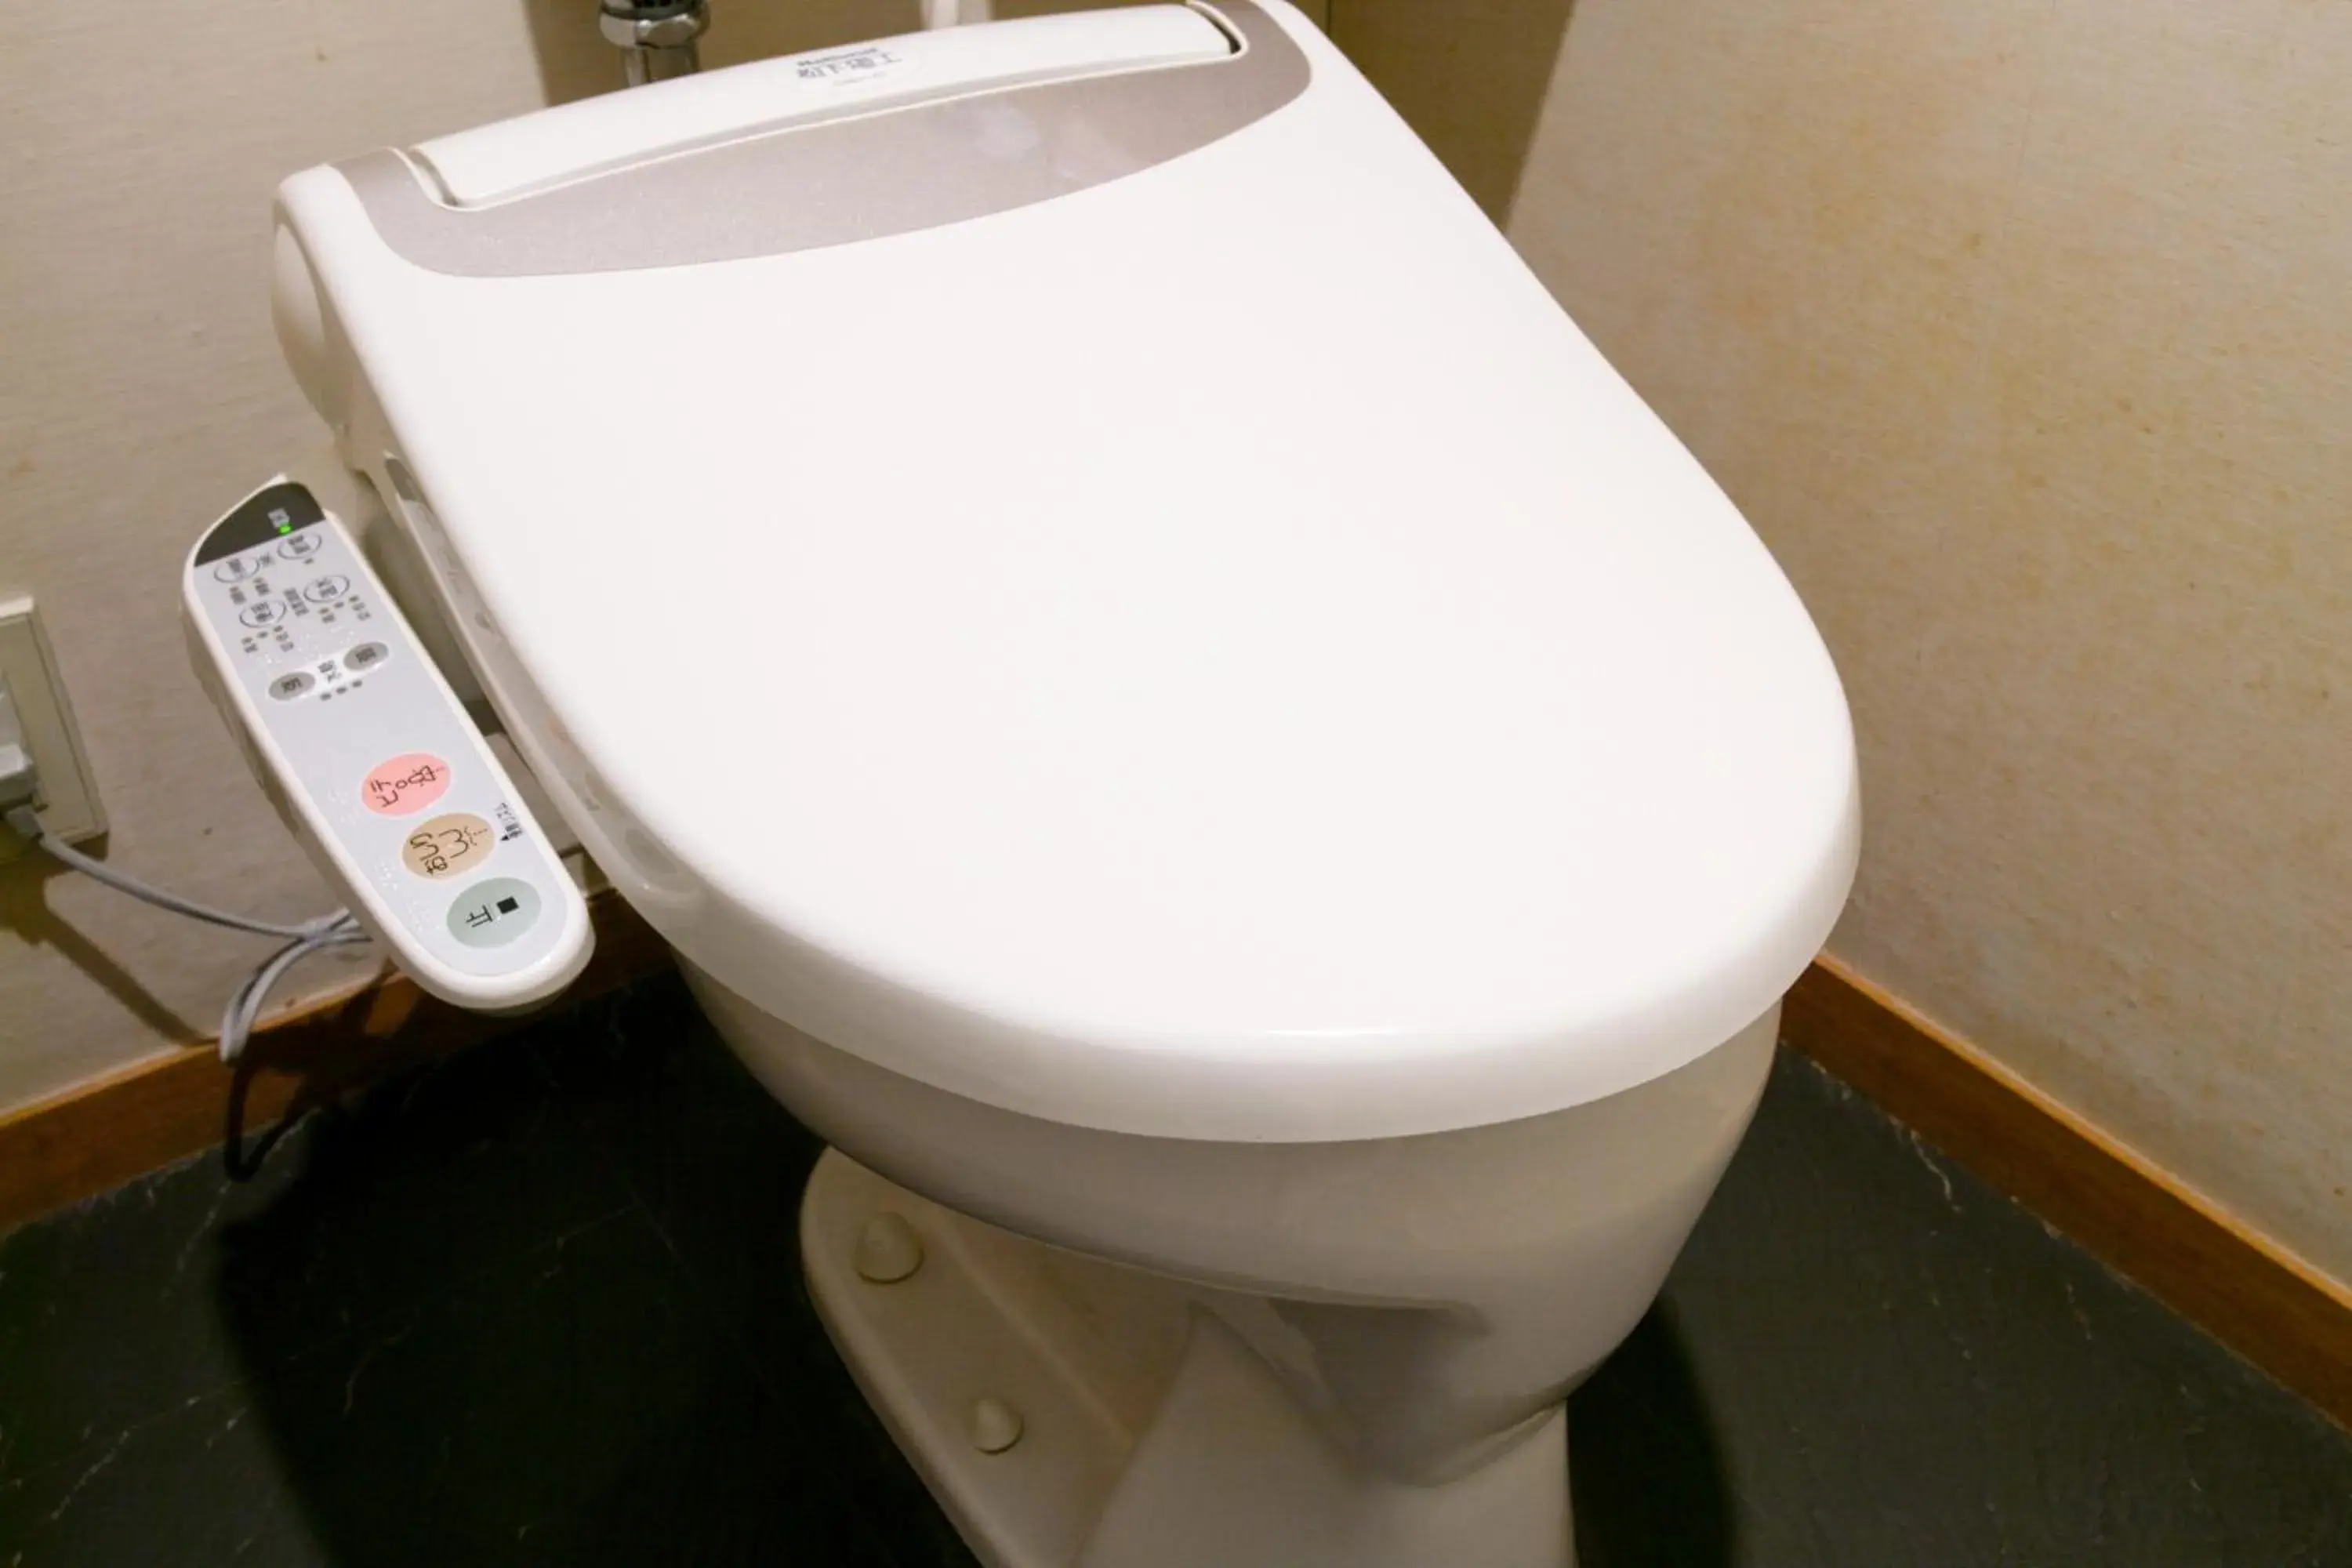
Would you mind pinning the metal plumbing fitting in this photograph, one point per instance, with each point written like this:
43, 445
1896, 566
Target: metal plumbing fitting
656, 40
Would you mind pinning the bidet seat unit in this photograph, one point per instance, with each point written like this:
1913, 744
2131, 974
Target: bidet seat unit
1170, 705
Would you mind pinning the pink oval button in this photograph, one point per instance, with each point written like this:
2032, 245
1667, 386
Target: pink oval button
410, 782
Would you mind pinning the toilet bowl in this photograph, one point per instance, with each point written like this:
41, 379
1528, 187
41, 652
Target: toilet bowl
1424, 1303
1170, 705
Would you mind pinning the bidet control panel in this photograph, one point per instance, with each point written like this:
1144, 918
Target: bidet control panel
372, 759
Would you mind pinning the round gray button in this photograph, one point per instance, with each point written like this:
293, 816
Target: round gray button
287, 687
332, 586
367, 656
267, 613
236, 569
299, 545
492, 913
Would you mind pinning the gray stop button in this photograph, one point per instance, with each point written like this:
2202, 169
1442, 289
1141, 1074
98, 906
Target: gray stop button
492, 913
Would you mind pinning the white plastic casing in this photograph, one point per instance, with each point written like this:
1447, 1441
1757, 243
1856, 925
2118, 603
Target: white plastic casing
371, 760
1213, 654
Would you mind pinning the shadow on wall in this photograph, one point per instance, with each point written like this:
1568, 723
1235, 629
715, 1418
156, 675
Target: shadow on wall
1415, 52
1470, 75
24, 910
575, 62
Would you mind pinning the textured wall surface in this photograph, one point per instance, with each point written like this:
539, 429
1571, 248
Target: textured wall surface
140, 393
139, 145
2019, 330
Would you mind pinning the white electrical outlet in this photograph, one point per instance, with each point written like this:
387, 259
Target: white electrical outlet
37, 709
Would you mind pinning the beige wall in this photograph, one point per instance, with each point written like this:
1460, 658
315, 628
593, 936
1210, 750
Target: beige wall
140, 393
2023, 333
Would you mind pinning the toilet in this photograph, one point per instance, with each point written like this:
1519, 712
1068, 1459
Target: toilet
1172, 707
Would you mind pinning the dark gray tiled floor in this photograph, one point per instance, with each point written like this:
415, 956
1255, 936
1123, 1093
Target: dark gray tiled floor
540, 1305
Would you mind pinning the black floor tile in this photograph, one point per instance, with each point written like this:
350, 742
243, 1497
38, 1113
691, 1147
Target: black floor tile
121, 1306
713, 1157
1865, 1356
204, 1482
1648, 1480
476, 1320
719, 1166
571, 1406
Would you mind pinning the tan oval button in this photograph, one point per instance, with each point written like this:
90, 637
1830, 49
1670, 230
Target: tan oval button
447, 844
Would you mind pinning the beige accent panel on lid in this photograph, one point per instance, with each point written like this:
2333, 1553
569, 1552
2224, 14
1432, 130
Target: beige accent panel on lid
2023, 335
1470, 75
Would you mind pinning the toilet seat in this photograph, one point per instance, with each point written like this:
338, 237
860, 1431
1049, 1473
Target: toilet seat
1408, 737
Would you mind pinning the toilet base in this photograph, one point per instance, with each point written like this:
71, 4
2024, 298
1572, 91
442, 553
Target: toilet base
1149, 1436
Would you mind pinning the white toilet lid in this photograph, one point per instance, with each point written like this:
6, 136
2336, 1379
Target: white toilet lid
1216, 655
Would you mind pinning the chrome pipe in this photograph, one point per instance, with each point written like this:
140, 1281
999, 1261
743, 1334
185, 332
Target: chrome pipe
657, 40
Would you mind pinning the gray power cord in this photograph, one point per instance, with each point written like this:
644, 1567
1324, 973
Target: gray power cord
340, 929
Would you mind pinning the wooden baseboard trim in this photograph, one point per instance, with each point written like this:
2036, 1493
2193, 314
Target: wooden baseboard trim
101, 1133
2241, 1287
